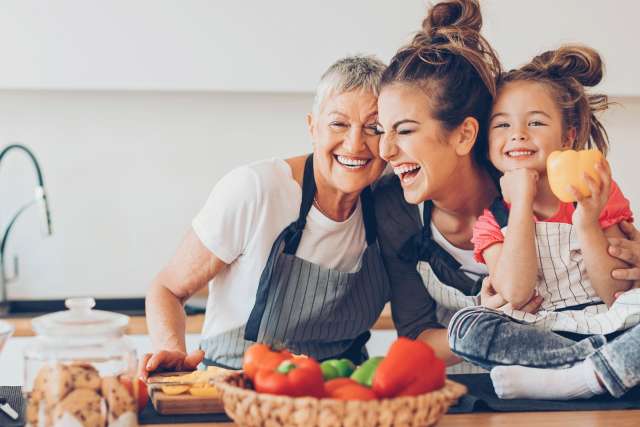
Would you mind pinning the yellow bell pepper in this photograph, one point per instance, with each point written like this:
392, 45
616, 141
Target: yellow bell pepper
566, 168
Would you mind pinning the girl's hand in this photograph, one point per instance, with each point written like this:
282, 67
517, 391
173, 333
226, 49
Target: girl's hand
589, 208
488, 295
492, 299
519, 186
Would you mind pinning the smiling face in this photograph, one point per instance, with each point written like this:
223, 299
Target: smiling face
346, 142
526, 126
416, 144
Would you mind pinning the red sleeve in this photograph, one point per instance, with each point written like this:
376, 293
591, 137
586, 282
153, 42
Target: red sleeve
486, 232
617, 208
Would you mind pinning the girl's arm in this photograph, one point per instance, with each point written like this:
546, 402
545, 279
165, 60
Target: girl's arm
512, 264
593, 239
599, 264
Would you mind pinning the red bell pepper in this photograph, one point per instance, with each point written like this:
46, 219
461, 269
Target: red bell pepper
348, 389
260, 356
294, 377
410, 368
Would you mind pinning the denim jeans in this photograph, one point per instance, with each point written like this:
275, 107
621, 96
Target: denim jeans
490, 338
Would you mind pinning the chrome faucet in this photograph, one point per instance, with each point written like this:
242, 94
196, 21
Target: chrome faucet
40, 198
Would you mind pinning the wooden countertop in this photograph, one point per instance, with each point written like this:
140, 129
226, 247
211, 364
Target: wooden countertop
628, 418
138, 326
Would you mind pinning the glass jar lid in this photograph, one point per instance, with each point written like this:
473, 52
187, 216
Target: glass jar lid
80, 320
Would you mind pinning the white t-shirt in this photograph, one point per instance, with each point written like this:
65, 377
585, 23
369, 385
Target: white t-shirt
243, 216
464, 256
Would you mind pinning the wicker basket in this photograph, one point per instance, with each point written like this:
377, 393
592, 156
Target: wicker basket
249, 408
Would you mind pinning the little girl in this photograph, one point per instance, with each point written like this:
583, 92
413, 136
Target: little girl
533, 243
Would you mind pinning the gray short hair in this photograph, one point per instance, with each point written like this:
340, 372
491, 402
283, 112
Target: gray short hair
356, 72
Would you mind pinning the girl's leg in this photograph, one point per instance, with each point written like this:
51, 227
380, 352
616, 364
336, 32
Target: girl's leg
490, 338
617, 363
523, 382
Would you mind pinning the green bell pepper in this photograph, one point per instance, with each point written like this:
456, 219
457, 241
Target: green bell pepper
337, 368
365, 372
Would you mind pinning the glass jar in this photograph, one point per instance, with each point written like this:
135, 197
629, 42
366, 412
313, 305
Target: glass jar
80, 370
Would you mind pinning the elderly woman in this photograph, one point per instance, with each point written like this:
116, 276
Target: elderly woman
288, 247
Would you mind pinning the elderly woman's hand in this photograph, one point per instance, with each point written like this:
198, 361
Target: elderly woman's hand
492, 299
168, 361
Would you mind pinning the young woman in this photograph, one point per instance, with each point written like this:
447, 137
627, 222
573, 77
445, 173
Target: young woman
434, 106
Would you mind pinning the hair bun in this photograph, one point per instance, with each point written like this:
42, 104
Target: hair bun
453, 15
572, 61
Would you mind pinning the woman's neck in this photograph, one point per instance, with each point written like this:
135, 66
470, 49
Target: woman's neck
472, 191
333, 203
455, 213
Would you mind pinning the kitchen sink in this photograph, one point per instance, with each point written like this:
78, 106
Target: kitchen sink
33, 308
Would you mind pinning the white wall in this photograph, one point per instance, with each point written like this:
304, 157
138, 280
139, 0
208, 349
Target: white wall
125, 173
276, 45
622, 122
229, 45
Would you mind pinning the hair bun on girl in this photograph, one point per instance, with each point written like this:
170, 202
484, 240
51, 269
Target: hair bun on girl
572, 61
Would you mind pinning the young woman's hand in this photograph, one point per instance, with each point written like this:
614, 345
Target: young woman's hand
519, 186
589, 208
492, 299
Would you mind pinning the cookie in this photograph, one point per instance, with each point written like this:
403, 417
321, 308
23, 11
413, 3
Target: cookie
85, 405
51, 385
118, 398
37, 395
84, 376
33, 407
56, 383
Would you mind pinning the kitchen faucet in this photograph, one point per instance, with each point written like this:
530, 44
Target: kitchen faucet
39, 198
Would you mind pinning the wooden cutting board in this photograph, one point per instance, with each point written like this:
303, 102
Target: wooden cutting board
182, 403
185, 404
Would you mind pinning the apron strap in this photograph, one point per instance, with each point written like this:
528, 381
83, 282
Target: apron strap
292, 241
422, 247
368, 216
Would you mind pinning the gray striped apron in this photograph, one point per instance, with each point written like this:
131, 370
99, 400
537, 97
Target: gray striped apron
302, 306
570, 303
